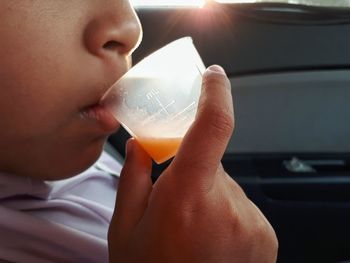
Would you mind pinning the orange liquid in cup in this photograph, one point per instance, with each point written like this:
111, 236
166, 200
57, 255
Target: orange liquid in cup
160, 149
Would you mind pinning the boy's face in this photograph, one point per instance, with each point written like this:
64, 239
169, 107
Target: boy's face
57, 59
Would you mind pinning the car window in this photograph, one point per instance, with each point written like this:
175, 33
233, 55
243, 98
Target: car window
334, 3
167, 3
199, 3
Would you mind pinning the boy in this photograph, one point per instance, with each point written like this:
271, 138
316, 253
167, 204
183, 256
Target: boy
57, 60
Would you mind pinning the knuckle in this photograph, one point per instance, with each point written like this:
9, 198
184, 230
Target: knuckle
268, 241
271, 238
221, 121
259, 235
274, 243
261, 230
235, 189
264, 235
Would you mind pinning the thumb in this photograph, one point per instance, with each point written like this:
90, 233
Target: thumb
204, 144
135, 186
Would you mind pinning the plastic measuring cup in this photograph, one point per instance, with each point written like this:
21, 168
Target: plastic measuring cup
156, 100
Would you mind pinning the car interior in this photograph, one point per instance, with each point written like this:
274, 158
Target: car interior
289, 67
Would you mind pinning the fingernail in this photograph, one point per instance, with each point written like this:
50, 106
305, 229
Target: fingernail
217, 68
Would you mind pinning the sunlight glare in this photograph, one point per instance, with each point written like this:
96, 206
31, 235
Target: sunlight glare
326, 3
168, 3
235, 1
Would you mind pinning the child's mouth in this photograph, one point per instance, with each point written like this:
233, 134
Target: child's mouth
101, 116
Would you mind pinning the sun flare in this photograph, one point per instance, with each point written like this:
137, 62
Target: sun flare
168, 3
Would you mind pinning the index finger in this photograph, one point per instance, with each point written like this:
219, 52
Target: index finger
205, 142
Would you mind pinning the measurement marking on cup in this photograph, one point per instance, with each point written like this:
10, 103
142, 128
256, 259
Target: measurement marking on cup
152, 93
188, 108
163, 108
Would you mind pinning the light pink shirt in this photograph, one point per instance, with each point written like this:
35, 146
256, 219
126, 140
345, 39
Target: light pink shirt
61, 221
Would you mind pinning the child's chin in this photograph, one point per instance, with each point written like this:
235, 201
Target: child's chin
76, 163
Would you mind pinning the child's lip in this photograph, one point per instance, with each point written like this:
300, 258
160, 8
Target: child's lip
101, 116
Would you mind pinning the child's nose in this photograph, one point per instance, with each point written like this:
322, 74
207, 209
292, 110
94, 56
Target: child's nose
117, 31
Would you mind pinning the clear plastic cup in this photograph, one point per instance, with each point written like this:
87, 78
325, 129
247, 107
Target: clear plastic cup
156, 100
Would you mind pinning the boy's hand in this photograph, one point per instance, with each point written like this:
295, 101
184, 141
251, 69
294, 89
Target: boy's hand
195, 212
